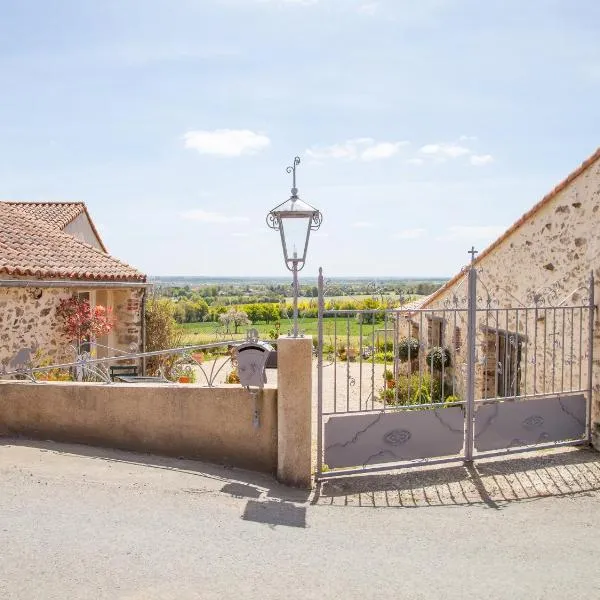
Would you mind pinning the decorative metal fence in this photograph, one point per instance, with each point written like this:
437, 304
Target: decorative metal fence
218, 364
457, 381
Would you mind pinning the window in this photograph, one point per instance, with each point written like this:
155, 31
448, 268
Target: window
503, 350
435, 331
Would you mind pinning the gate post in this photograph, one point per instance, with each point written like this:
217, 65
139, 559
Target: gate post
294, 411
471, 343
321, 304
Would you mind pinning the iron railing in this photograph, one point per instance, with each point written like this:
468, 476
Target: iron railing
85, 367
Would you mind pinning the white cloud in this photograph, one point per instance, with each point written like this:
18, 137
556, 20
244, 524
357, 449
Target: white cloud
479, 160
369, 8
226, 142
366, 149
471, 233
211, 217
410, 234
415, 161
381, 150
444, 151
240, 234
362, 225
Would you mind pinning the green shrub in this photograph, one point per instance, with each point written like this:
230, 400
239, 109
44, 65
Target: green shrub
408, 349
385, 346
438, 358
415, 390
384, 357
162, 333
451, 399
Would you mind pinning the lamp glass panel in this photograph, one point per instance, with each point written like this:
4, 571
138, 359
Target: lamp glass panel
295, 233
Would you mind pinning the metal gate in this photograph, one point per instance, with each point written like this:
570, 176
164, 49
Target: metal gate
471, 378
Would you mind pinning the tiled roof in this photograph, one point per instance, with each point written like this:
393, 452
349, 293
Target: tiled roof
31, 247
530, 213
414, 305
56, 214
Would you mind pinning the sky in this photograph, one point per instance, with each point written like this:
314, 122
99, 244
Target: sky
423, 126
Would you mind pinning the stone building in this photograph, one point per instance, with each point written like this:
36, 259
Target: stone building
533, 291
50, 251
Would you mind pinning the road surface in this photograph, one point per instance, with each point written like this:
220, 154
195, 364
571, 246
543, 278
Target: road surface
79, 522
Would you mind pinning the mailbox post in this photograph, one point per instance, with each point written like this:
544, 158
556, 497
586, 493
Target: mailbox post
252, 356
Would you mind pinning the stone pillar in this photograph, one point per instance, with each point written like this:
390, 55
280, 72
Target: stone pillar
294, 404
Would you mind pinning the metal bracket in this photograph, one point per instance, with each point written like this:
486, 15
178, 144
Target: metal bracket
255, 411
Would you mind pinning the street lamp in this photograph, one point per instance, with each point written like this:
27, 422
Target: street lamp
294, 219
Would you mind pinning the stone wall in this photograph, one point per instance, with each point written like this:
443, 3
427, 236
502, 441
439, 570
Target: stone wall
28, 320
546, 260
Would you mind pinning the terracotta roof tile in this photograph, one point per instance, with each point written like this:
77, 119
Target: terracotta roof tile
32, 247
57, 214
525, 217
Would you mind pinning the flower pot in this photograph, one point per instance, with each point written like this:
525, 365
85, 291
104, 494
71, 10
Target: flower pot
198, 357
184, 379
391, 383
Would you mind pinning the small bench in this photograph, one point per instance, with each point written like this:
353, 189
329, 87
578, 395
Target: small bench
116, 371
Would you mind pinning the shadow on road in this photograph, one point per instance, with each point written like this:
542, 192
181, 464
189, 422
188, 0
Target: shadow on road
236, 482
494, 483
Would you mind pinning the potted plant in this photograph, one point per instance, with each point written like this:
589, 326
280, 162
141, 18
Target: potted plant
186, 374
198, 356
390, 382
232, 377
438, 358
408, 349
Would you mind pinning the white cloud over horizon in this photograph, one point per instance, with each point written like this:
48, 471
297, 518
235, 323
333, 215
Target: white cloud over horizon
478, 160
226, 142
444, 151
368, 8
204, 216
472, 233
366, 149
410, 234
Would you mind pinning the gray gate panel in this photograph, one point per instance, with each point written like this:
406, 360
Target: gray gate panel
510, 424
366, 439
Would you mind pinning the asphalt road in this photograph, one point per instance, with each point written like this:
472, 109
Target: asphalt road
78, 522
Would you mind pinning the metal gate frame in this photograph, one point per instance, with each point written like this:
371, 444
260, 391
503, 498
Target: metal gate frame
471, 404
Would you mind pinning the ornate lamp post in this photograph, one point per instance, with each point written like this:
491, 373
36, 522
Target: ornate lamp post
294, 219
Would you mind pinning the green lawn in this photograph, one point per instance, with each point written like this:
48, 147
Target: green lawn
342, 327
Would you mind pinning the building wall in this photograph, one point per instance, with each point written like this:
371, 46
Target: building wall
546, 261
28, 320
81, 229
214, 424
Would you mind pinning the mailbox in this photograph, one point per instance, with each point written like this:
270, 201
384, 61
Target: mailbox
252, 356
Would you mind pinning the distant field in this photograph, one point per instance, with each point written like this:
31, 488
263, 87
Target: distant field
311, 300
348, 330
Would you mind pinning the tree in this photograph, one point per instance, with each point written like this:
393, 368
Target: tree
81, 323
162, 333
234, 317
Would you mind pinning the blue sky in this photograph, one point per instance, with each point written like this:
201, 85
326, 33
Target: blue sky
424, 126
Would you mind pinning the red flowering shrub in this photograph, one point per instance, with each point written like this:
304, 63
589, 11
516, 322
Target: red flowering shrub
80, 322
